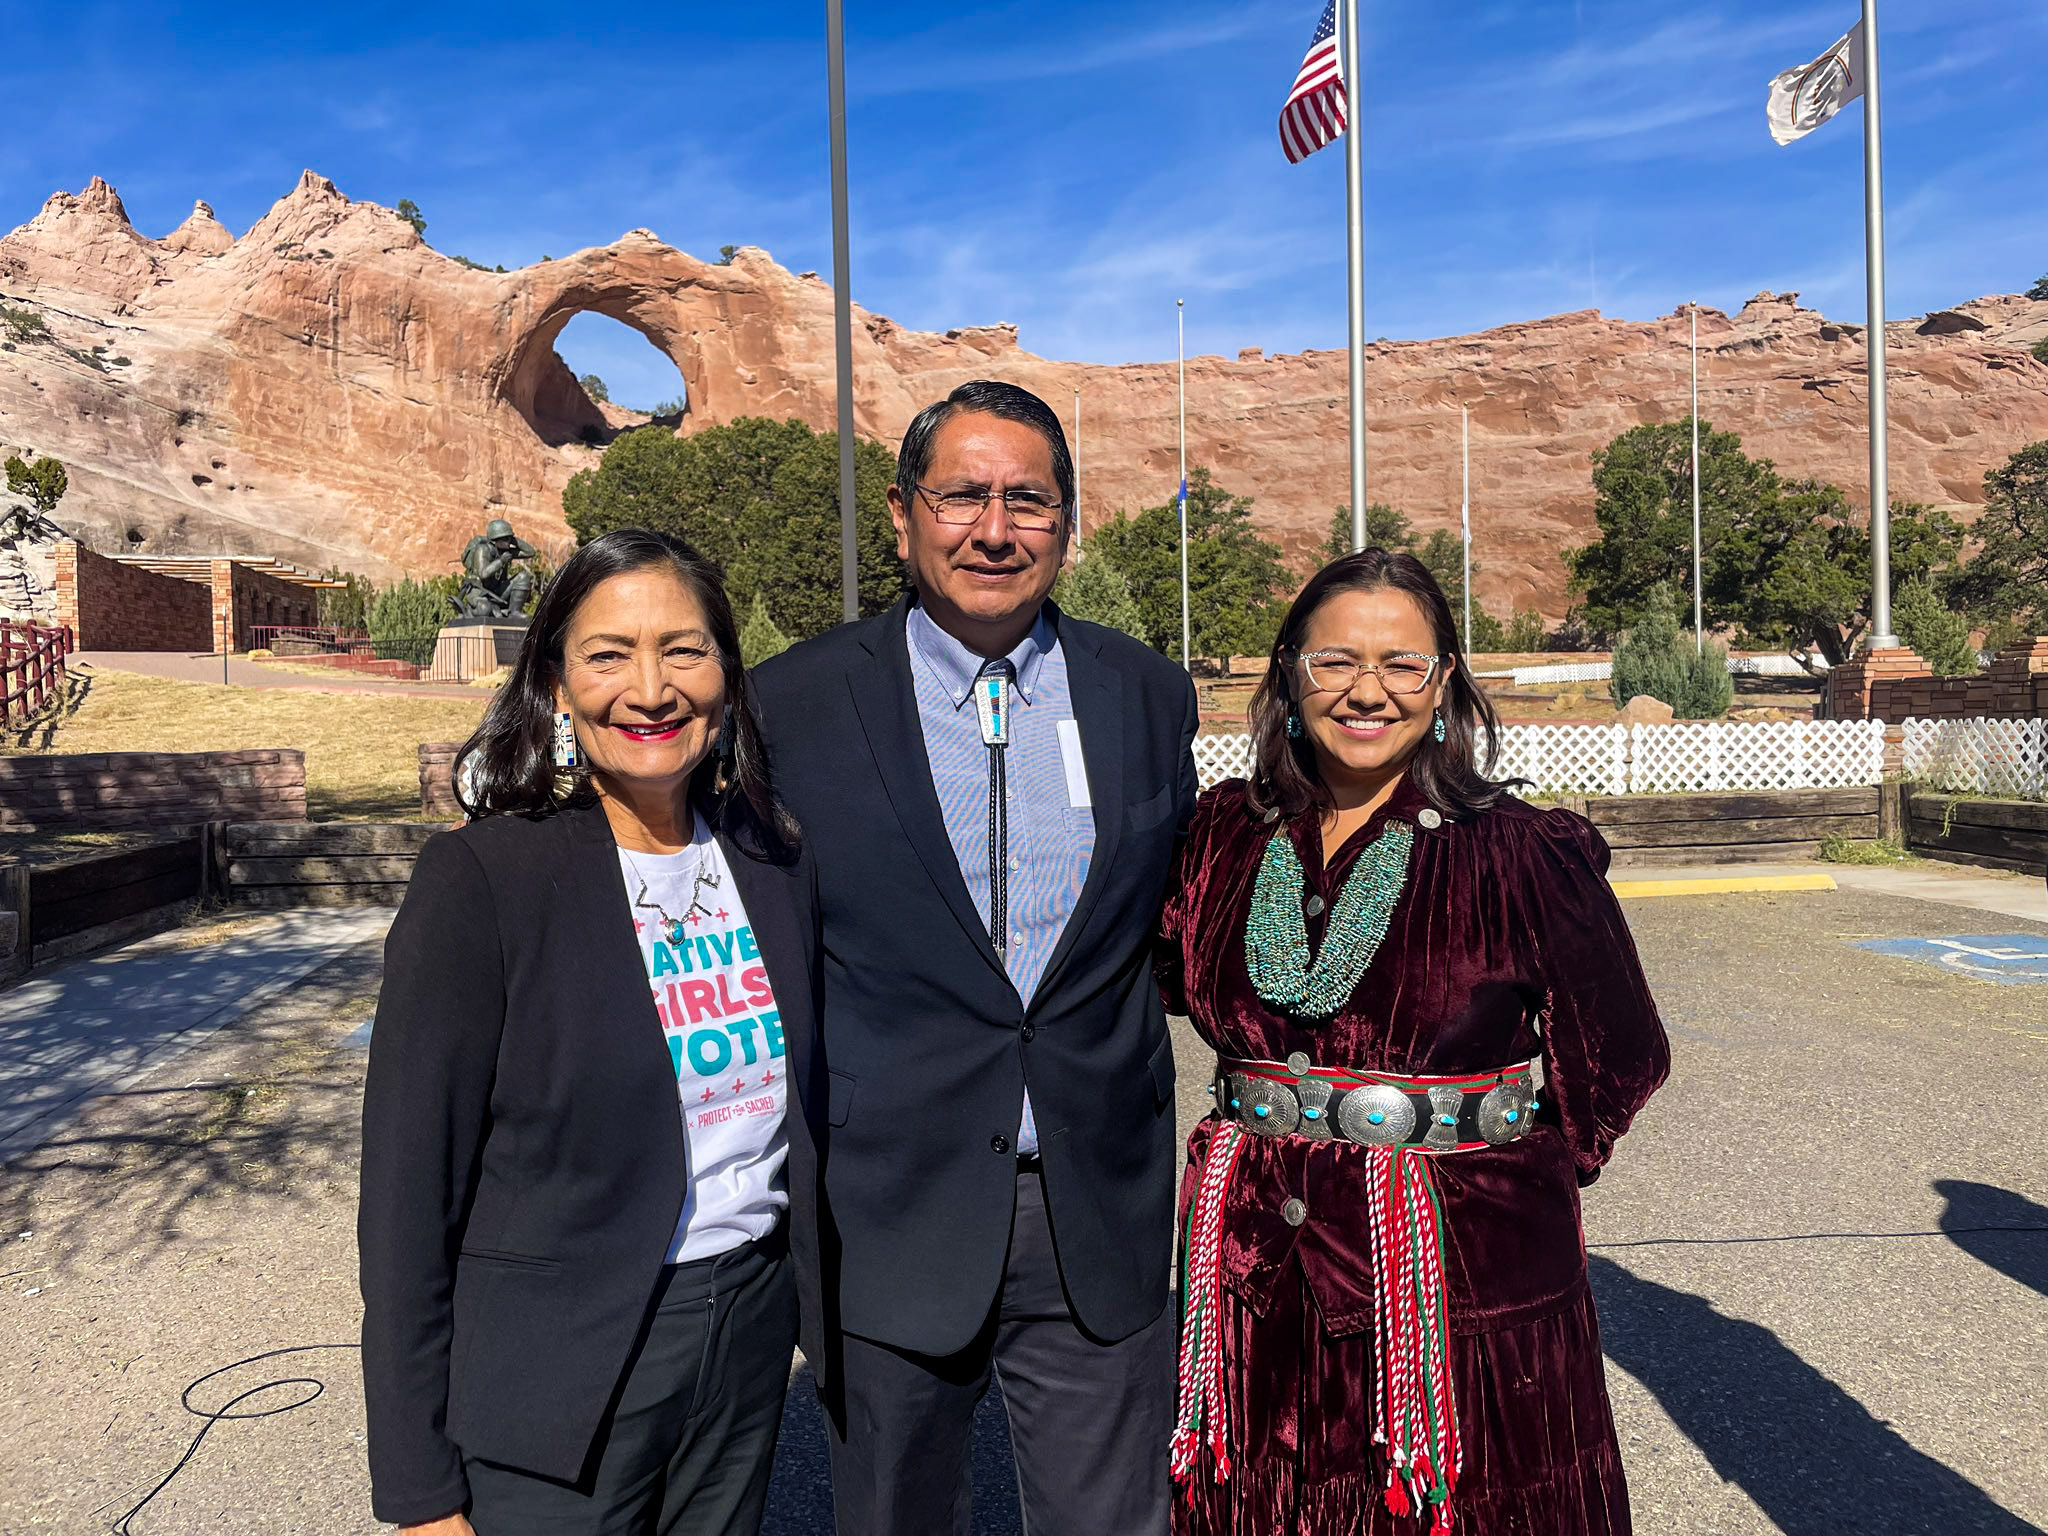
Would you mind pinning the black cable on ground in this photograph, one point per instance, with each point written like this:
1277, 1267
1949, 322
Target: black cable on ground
312, 1388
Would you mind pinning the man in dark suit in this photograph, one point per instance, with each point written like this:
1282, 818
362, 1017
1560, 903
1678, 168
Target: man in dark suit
993, 792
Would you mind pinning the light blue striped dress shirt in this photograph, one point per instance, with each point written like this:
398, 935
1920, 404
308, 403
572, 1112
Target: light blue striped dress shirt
1051, 837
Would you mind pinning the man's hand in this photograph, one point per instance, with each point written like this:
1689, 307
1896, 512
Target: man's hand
447, 1525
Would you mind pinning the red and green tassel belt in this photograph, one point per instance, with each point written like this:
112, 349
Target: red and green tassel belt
1401, 1121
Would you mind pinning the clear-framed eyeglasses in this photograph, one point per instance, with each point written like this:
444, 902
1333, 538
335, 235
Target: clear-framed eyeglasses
1402, 674
962, 505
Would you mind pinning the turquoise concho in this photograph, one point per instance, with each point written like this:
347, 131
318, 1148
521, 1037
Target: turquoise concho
1376, 1116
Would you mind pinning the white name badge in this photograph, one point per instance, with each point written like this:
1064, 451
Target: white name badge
1076, 765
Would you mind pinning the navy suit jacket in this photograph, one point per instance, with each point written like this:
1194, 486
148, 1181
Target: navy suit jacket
929, 1048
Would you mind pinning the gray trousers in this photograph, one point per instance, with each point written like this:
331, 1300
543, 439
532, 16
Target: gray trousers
1090, 1422
687, 1446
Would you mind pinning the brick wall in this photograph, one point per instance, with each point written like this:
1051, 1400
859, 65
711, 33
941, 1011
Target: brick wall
245, 598
99, 791
2015, 685
115, 607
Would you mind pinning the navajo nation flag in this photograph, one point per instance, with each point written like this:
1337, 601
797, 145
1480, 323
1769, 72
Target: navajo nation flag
1314, 114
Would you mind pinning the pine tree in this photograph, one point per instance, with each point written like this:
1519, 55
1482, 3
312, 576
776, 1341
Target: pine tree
759, 637
1937, 632
1092, 588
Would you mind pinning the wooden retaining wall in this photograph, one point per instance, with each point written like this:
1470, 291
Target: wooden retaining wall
56, 792
437, 783
1779, 824
319, 864
54, 911
2002, 834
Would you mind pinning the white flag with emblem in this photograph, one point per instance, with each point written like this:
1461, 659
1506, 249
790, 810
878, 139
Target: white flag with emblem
1804, 98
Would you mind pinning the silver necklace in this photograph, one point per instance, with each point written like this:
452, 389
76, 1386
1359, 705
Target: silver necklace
677, 928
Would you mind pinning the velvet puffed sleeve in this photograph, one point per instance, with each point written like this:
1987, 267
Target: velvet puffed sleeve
1604, 1050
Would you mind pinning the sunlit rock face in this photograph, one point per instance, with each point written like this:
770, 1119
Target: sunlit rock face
330, 389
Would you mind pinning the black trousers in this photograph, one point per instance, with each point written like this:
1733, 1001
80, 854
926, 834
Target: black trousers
687, 1444
1090, 1422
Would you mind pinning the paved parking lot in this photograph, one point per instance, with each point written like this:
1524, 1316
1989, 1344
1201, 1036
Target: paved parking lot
1822, 1256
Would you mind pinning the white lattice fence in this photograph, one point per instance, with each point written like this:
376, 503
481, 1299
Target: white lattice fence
1781, 754
1979, 757
1565, 759
1643, 759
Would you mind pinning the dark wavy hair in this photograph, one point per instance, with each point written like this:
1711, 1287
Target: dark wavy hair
1448, 773
989, 397
510, 761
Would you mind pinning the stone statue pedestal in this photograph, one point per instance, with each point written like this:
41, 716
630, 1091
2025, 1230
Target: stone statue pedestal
470, 650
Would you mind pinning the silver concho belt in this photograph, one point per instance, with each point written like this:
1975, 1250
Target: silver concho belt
1379, 1109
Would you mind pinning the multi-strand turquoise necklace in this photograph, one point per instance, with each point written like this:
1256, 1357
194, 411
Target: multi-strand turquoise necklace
1276, 931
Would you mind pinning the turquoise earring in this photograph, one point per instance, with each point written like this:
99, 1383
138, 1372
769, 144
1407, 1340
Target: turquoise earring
1293, 727
1440, 731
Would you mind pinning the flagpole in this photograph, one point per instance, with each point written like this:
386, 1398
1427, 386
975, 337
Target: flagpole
1077, 469
1465, 513
842, 303
1180, 309
1881, 636
1699, 643
1354, 183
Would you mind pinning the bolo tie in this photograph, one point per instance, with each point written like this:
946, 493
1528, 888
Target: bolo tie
992, 705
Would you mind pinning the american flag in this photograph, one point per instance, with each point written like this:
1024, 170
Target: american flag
1314, 114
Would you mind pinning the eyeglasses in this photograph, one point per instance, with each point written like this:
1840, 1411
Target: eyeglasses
1408, 672
1032, 511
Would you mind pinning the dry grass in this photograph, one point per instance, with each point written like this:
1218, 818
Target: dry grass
362, 758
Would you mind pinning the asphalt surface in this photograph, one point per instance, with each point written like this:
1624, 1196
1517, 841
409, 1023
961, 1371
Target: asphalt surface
1821, 1256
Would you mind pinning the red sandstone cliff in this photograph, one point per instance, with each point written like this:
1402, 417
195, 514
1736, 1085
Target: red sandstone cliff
330, 389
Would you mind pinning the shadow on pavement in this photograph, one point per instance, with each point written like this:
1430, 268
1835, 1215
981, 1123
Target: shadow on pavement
1801, 1447
1973, 1219
800, 1495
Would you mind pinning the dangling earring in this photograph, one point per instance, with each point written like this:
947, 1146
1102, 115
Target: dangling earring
565, 740
1440, 730
721, 778
1293, 726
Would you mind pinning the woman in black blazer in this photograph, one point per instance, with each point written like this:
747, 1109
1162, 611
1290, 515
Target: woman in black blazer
583, 1128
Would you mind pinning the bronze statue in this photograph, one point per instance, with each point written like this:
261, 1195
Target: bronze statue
495, 587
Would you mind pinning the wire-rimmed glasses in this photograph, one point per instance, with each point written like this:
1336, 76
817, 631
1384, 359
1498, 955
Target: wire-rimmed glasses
1402, 674
963, 505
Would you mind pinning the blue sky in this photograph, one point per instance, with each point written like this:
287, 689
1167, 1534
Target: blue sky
1076, 167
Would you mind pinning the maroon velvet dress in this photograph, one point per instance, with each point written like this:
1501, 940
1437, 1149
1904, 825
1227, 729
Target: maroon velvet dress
1506, 924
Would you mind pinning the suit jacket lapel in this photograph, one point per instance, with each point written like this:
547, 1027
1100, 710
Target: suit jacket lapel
1097, 691
887, 705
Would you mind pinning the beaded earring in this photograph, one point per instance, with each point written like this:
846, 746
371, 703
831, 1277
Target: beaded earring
1440, 730
565, 740
1293, 726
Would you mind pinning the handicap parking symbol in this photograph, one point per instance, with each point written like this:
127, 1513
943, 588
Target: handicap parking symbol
2009, 958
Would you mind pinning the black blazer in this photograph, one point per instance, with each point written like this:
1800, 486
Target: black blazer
930, 1048
523, 1152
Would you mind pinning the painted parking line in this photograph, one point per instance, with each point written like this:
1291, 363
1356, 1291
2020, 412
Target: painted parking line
1723, 885
2012, 959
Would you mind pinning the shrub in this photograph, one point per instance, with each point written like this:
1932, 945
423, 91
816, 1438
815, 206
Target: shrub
2040, 350
23, 324
347, 607
759, 637
1938, 632
1657, 659
1525, 632
405, 621
595, 387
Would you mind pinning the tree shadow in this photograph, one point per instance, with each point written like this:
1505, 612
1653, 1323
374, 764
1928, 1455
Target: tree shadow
266, 1109
1998, 1227
800, 1494
1813, 1459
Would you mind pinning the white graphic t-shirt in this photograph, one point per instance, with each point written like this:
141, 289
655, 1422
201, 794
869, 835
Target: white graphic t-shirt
724, 1036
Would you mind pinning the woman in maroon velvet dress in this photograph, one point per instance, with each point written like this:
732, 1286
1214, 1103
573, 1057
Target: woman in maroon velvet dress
1431, 1028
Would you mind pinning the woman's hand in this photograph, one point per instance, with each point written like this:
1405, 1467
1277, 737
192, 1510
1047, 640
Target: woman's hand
447, 1525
